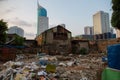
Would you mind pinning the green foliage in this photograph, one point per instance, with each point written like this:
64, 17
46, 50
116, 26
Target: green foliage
116, 5
115, 21
74, 50
19, 40
83, 51
3, 29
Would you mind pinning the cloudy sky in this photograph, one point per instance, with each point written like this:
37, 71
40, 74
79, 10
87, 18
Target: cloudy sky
75, 14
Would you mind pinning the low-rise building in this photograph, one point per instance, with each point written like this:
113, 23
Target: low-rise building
56, 40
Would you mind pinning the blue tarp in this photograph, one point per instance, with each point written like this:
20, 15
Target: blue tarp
43, 62
12, 46
114, 56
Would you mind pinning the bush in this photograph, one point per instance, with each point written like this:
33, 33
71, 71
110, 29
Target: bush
83, 51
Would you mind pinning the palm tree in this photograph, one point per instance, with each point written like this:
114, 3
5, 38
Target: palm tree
115, 21
3, 29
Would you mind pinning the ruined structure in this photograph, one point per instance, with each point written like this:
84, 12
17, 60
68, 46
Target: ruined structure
78, 45
56, 40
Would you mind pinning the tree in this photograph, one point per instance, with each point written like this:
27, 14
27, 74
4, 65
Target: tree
115, 21
3, 29
83, 51
19, 41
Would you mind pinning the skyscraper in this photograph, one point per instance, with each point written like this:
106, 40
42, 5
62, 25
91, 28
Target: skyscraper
42, 23
101, 23
88, 30
16, 30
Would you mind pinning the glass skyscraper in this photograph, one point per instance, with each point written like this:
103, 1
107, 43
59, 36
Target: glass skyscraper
42, 23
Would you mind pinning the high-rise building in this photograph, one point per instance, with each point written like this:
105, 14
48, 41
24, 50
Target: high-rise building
16, 30
101, 23
42, 23
112, 30
88, 30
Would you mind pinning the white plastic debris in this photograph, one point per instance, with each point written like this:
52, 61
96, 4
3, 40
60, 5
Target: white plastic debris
84, 78
62, 64
19, 63
70, 63
42, 73
44, 58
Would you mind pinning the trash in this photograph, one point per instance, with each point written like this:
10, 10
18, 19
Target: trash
41, 54
59, 67
104, 59
19, 63
44, 58
43, 62
70, 63
8, 64
51, 68
42, 73
62, 64
84, 78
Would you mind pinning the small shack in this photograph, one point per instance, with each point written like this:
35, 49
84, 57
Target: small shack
56, 40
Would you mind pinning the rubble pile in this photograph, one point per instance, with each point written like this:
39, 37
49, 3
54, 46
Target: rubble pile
80, 67
34, 67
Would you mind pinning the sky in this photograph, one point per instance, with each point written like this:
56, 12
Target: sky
75, 14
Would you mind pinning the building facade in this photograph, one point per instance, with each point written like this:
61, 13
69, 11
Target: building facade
108, 35
42, 23
78, 45
56, 40
88, 30
16, 30
101, 23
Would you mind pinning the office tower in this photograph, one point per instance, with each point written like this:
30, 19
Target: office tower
101, 23
88, 30
112, 30
16, 30
42, 23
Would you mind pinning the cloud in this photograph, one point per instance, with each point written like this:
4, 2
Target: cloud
18, 22
8, 10
5, 12
30, 35
3, 0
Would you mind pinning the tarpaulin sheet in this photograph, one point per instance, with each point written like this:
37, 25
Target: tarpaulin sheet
114, 56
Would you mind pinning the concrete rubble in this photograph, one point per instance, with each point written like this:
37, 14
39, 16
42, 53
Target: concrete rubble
72, 67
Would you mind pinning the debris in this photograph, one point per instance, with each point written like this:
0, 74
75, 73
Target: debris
51, 68
62, 64
85, 67
70, 63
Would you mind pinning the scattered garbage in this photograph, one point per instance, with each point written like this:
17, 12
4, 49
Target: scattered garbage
84, 78
104, 59
30, 67
51, 68
43, 62
62, 64
42, 73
